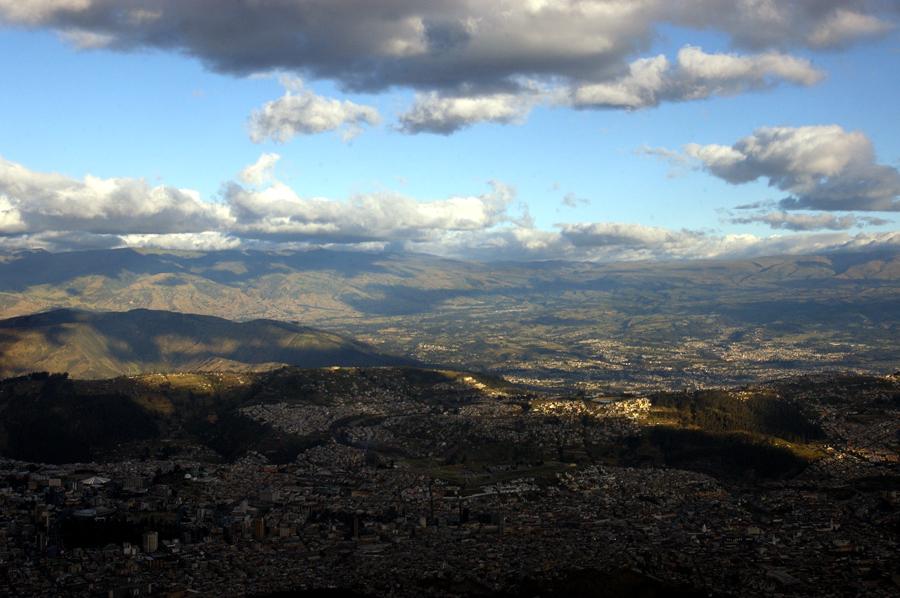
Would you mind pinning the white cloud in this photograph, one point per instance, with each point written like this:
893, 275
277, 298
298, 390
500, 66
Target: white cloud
844, 26
446, 44
473, 55
33, 201
205, 241
613, 241
695, 75
779, 23
822, 167
58, 241
598, 234
735, 70
129, 210
261, 171
87, 40
38, 12
54, 212
279, 212
434, 113
648, 82
505, 243
301, 112
10, 217
808, 222
618, 241
638, 88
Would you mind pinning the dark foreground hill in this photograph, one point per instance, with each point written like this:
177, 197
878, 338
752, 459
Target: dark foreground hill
448, 423
101, 345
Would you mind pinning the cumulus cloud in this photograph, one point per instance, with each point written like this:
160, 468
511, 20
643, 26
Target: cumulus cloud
844, 26
648, 82
435, 113
598, 234
620, 241
612, 241
436, 44
301, 112
131, 212
205, 241
260, 172
626, 241
506, 243
822, 167
808, 222
278, 212
695, 75
41, 12
54, 212
759, 24
58, 241
467, 59
33, 201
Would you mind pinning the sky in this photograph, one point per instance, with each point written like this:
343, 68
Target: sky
514, 129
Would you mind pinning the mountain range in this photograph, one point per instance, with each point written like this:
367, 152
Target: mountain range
547, 323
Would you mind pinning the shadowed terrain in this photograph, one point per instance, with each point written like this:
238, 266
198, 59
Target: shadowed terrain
98, 345
437, 421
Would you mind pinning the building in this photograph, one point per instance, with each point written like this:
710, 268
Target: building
259, 528
150, 542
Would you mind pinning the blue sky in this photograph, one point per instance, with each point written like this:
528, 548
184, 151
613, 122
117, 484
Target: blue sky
165, 117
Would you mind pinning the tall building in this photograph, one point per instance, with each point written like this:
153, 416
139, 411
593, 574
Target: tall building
150, 542
259, 528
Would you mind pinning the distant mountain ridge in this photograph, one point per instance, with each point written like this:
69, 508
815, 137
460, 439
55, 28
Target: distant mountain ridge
343, 286
105, 344
712, 321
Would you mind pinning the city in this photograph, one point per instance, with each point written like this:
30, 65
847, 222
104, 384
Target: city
449, 298
410, 489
